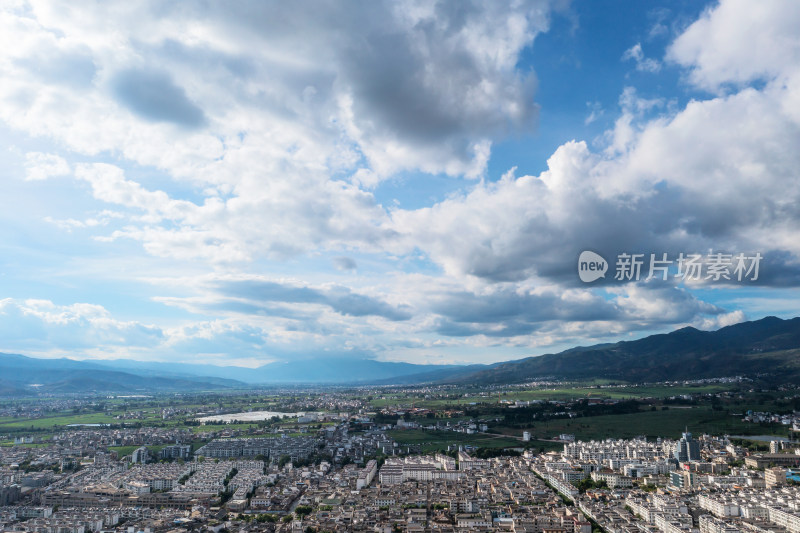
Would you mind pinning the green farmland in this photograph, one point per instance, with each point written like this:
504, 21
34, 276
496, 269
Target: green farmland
434, 440
660, 423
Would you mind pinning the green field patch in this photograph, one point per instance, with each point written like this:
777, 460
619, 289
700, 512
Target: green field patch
10, 443
122, 451
434, 440
660, 423
210, 428
21, 424
617, 393
466, 397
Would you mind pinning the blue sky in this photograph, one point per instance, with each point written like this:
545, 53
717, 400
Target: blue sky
405, 181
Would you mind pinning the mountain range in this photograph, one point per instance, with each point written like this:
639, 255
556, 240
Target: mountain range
21, 375
769, 347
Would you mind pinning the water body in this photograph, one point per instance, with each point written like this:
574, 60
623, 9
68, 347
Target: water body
250, 416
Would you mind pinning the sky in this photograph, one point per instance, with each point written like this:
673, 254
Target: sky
247, 182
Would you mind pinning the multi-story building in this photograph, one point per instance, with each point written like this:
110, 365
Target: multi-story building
175, 451
774, 477
687, 449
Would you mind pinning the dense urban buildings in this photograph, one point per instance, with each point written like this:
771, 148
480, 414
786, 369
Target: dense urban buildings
341, 469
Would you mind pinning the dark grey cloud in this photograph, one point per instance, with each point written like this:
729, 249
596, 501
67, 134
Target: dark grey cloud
510, 305
778, 268
508, 313
253, 308
340, 299
423, 86
511, 328
390, 83
154, 96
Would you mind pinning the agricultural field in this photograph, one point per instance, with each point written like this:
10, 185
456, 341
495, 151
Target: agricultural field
617, 393
473, 396
434, 440
668, 423
9, 443
122, 451
24, 424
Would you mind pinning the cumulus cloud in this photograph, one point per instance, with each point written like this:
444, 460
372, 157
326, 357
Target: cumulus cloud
737, 42
657, 302
108, 184
720, 321
42, 325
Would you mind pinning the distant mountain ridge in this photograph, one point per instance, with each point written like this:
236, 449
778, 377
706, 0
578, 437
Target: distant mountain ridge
328, 370
20, 374
767, 346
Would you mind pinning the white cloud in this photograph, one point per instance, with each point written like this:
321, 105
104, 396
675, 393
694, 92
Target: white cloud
720, 321
109, 185
595, 112
737, 42
643, 64
39, 166
101, 218
42, 326
651, 303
